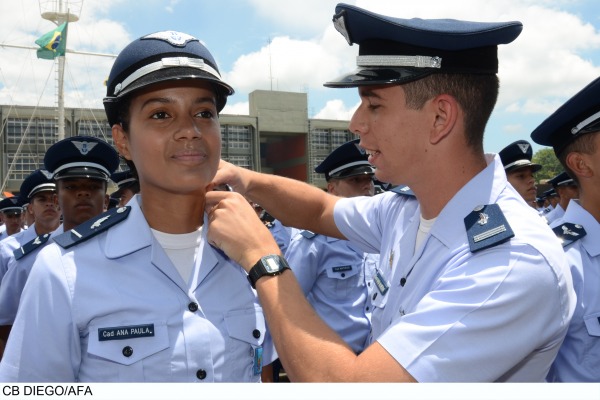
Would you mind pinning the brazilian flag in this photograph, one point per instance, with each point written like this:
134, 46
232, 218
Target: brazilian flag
53, 44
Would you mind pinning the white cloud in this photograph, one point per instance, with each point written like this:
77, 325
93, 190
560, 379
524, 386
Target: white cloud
301, 15
241, 108
335, 109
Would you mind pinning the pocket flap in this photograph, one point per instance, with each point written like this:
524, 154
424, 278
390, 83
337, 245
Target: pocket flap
247, 325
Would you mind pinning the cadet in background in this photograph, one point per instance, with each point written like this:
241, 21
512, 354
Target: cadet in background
79, 167
573, 131
566, 189
516, 158
11, 211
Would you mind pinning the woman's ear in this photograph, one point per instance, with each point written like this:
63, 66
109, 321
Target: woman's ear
121, 141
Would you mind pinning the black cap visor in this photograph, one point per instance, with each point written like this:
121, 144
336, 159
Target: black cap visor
354, 171
82, 172
379, 76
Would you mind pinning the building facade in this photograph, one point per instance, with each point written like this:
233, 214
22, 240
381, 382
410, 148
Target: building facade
276, 137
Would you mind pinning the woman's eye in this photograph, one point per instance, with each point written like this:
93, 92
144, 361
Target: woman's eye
160, 115
205, 114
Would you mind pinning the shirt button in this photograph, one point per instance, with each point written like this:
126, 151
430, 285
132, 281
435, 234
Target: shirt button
127, 351
256, 333
193, 307
343, 275
201, 374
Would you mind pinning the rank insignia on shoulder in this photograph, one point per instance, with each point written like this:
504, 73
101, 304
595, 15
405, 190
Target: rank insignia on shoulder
31, 246
92, 227
568, 233
487, 227
308, 234
403, 190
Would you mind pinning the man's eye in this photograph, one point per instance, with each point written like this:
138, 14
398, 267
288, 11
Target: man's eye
206, 114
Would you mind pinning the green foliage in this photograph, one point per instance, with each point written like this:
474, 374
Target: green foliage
550, 164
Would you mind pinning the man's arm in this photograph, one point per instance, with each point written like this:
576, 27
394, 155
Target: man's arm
308, 348
292, 202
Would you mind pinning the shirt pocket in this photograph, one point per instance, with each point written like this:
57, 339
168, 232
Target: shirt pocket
128, 344
592, 323
246, 329
343, 279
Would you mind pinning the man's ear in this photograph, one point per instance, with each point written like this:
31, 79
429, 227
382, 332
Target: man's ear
121, 141
579, 164
446, 111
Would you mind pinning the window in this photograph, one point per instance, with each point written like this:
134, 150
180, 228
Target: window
98, 129
236, 137
240, 161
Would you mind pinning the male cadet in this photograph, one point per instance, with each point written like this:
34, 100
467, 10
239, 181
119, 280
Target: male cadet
574, 132
485, 293
39, 191
551, 200
566, 189
516, 158
335, 275
11, 210
127, 184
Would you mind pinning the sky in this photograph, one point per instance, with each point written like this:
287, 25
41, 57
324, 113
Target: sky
291, 45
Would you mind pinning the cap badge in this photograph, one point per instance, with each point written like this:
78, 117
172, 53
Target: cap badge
340, 25
175, 38
524, 147
47, 174
84, 147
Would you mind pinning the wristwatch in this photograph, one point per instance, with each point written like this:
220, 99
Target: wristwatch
270, 265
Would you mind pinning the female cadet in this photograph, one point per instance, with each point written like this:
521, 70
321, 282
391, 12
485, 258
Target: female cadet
138, 294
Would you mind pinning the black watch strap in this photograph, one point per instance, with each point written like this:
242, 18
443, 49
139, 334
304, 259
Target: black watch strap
270, 265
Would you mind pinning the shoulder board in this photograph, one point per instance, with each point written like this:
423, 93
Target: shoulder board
269, 224
31, 246
403, 190
308, 234
487, 227
568, 233
92, 227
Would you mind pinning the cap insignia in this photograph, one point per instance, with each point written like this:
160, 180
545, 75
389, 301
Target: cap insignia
47, 174
175, 38
340, 25
84, 147
524, 147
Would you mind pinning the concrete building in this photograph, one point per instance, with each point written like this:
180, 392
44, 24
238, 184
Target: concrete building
276, 137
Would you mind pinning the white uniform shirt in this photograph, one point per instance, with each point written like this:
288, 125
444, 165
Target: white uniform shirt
14, 281
337, 278
578, 359
115, 309
499, 314
9, 244
556, 213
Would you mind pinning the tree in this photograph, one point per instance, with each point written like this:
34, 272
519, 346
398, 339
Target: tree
550, 164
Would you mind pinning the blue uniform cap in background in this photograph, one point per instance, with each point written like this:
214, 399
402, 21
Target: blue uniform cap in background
81, 157
11, 205
562, 179
345, 161
578, 116
396, 50
518, 155
38, 181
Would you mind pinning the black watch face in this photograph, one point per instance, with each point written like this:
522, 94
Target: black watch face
272, 264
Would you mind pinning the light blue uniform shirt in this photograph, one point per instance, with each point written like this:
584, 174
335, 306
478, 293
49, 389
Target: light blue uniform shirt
499, 314
14, 281
9, 244
555, 214
336, 277
578, 359
115, 309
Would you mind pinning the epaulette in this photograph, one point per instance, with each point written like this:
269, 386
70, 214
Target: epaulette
31, 246
487, 227
403, 190
92, 227
568, 233
269, 224
308, 234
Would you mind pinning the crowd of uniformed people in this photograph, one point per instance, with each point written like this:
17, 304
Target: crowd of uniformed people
459, 272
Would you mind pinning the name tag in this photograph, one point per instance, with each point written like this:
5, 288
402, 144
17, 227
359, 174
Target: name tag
381, 283
343, 268
258, 360
125, 332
